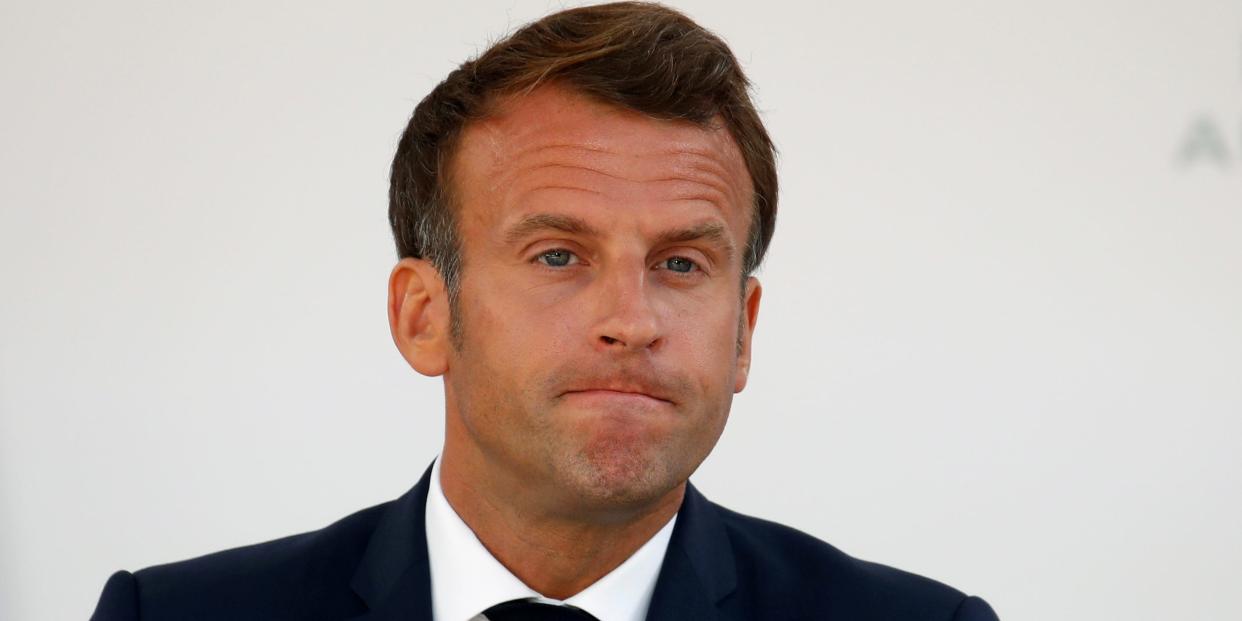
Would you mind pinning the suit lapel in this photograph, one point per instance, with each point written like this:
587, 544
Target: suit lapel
698, 569
394, 577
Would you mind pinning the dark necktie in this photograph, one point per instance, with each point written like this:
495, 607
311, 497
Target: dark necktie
527, 610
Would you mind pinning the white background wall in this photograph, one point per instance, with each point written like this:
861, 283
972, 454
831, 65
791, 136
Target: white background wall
1001, 340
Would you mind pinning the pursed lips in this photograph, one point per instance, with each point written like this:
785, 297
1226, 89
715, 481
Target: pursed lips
620, 393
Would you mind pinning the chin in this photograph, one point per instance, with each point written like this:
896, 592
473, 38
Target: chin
614, 475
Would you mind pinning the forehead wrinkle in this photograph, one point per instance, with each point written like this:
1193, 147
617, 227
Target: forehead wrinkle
558, 146
705, 167
533, 157
518, 181
589, 169
687, 159
667, 188
684, 187
680, 188
709, 188
711, 171
715, 200
696, 175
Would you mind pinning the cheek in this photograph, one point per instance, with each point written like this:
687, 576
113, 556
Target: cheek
708, 333
518, 328
713, 314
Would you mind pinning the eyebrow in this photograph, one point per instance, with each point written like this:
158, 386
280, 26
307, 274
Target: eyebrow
544, 221
713, 232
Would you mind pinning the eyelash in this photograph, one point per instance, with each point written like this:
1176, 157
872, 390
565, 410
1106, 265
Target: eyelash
539, 258
696, 268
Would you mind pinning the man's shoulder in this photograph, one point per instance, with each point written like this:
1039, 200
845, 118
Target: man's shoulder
300, 576
338, 544
780, 563
773, 547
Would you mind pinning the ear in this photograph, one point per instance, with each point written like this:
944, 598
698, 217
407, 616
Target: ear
750, 315
418, 315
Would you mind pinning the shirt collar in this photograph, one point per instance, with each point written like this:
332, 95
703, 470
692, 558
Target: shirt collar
466, 579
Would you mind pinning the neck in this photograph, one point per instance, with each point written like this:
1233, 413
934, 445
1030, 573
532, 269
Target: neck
555, 552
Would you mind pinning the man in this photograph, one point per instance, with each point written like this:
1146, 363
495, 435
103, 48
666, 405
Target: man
578, 212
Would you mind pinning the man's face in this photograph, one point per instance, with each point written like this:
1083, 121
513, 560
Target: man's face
601, 300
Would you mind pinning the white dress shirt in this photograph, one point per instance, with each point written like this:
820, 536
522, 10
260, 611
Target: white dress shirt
466, 579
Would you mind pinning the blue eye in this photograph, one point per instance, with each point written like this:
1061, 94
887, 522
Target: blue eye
680, 265
556, 258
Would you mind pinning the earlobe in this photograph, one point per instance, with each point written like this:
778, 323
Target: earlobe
750, 315
418, 315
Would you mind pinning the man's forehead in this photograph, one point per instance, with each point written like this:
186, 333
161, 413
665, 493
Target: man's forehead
553, 117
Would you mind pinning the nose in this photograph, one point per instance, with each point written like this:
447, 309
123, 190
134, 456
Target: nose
628, 319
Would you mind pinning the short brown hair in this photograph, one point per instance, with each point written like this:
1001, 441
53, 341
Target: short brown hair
639, 56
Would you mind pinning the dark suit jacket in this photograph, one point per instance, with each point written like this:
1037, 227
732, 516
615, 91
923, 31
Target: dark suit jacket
373, 566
